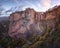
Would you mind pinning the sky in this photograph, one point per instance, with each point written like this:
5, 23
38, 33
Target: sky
9, 6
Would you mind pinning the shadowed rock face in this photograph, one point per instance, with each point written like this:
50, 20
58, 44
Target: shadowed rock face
30, 22
23, 22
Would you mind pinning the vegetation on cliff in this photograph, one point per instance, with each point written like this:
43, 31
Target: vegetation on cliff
47, 40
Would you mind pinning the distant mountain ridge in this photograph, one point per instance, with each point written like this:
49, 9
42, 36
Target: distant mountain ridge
4, 18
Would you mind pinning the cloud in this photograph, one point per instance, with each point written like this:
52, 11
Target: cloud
35, 6
10, 10
46, 3
1, 10
31, 5
13, 9
16, 1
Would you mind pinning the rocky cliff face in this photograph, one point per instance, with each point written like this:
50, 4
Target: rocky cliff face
29, 21
53, 16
